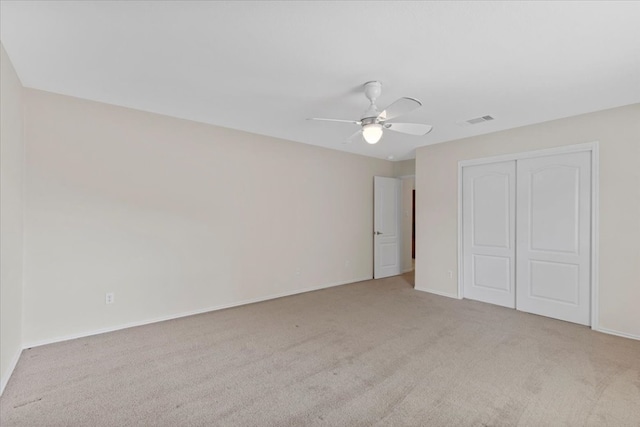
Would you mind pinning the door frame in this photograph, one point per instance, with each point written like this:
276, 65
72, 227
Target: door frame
593, 148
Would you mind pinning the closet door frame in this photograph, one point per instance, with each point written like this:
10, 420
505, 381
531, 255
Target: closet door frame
593, 148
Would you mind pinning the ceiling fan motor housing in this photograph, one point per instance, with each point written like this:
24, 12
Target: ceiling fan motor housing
369, 120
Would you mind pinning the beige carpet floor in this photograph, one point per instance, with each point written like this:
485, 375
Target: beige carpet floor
369, 353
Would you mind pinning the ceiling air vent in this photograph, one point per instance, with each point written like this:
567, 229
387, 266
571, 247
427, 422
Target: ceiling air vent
479, 120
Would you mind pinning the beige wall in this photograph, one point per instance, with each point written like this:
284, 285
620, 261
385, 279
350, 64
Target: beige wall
404, 168
11, 217
176, 217
617, 130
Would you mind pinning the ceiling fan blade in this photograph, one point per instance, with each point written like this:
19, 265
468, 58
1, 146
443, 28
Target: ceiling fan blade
409, 128
335, 120
398, 108
350, 139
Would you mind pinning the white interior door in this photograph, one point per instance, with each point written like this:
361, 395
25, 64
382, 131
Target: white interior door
386, 222
488, 223
554, 236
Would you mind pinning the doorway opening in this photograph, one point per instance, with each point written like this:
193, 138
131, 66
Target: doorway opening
394, 226
413, 227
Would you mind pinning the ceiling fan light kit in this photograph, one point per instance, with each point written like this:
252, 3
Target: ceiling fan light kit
372, 133
373, 122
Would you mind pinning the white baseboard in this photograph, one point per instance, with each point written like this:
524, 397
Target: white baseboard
433, 291
617, 333
6, 375
189, 313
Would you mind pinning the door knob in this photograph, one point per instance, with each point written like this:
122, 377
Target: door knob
377, 233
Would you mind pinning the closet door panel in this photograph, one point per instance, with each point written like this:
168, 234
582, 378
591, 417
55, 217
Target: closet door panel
554, 236
488, 227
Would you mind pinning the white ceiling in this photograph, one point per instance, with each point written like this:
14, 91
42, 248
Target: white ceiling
265, 66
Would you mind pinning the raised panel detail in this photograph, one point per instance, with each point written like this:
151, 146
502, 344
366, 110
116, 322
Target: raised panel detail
388, 213
555, 281
555, 209
388, 254
491, 272
490, 212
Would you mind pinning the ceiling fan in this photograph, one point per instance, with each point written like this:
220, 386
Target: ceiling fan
374, 122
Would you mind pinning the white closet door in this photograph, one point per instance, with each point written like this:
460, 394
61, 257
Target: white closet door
554, 240
488, 221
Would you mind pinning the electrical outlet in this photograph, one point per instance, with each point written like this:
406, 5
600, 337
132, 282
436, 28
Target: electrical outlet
347, 264
110, 298
297, 271
450, 273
